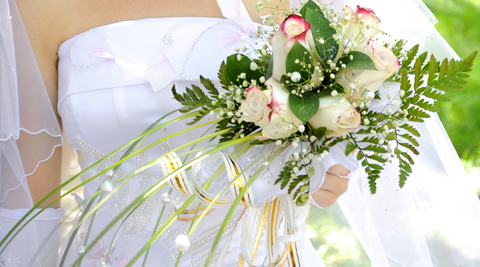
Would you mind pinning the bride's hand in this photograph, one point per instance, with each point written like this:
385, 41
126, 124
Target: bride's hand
333, 186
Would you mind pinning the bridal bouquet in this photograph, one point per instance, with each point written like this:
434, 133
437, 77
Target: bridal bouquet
311, 86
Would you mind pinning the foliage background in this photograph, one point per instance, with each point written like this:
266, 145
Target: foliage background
458, 24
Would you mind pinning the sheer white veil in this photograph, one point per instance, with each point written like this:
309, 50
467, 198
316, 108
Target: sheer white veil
29, 131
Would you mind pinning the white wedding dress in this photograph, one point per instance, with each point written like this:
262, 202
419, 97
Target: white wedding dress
115, 81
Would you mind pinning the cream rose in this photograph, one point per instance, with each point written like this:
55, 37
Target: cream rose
297, 29
279, 54
283, 41
255, 106
369, 80
359, 27
337, 115
281, 45
282, 123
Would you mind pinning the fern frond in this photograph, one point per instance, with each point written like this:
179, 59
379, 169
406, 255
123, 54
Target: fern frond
411, 129
411, 54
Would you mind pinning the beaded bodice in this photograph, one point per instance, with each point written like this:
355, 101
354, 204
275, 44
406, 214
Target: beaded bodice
114, 82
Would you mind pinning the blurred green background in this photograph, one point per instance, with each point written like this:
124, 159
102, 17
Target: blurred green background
459, 22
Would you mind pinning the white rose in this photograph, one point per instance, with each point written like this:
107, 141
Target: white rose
359, 26
282, 123
369, 80
337, 115
255, 106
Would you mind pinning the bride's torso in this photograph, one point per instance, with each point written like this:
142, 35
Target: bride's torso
114, 82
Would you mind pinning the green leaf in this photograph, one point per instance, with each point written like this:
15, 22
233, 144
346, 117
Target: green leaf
269, 69
287, 86
311, 5
418, 75
320, 27
295, 181
403, 180
414, 111
370, 139
360, 155
222, 75
411, 54
304, 107
410, 138
411, 129
372, 178
375, 148
327, 91
398, 47
319, 133
377, 158
407, 157
302, 199
435, 95
349, 148
359, 61
405, 166
410, 147
425, 105
390, 136
376, 166
300, 53
208, 84
285, 176
177, 96
422, 58
310, 171
235, 67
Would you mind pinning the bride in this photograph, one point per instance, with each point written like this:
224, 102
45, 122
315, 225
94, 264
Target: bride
108, 67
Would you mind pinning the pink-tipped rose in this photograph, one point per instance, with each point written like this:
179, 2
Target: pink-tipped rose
359, 27
295, 27
255, 106
282, 122
337, 115
369, 80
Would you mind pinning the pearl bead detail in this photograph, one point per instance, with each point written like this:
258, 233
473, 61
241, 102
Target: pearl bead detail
81, 249
296, 76
182, 242
107, 186
110, 173
167, 199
